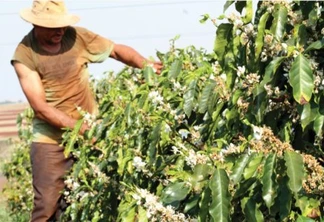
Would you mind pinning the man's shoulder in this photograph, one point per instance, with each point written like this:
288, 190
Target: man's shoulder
27, 39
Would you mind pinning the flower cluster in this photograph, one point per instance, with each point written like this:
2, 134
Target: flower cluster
88, 118
139, 164
236, 19
155, 211
264, 141
272, 47
156, 98
250, 81
195, 158
314, 183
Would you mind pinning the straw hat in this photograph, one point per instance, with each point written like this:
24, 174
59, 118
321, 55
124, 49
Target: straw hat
50, 14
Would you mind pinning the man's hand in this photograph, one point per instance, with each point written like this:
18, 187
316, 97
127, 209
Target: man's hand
156, 66
131, 57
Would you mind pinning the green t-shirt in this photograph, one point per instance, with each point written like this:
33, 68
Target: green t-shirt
64, 74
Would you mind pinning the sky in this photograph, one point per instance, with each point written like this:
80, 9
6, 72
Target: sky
147, 26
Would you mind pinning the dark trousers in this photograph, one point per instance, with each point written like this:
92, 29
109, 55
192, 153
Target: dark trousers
48, 169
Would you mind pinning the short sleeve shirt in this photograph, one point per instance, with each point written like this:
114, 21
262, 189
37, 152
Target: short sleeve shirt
64, 74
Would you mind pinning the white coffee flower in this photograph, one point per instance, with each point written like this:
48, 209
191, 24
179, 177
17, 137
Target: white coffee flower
240, 71
257, 132
138, 164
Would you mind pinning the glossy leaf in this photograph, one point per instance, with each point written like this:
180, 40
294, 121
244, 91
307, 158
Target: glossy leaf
154, 139
318, 125
248, 11
223, 33
150, 76
219, 208
251, 210
239, 168
228, 4
301, 79
260, 35
285, 199
190, 97
295, 170
309, 113
73, 138
279, 21
204, 205
251, 169
206, 95
315, 46
245, 187
200, 174
269, 188
175, 69
271, 70
175, 192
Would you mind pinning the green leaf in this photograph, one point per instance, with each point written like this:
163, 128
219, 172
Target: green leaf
271, 69
223, 34
204, 18
175, 192
245, 187
206, 95
309, 113
251, 169
175, 69
228, 4
309, 206
204, 205
240, 5
315, 45
128, 113
301, 79
190, 97
279, 22
260, 35
304, 219
285, 199
248, 12
150, 76
199, 176
191, 203
301, 35
154, 139
219, 208
130, 213
141, 215
318, 125
73, 138
239, 168
259, 104
269, 188
251, 210
295, 170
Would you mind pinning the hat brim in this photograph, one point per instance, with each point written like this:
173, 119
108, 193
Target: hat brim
56, 21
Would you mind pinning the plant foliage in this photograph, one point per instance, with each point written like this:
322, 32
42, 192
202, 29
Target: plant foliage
236, 133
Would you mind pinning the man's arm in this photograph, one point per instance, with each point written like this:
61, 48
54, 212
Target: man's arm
34, 91
131, 57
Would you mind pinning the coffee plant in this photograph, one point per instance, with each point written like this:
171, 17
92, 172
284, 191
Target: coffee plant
232, 135
19, 191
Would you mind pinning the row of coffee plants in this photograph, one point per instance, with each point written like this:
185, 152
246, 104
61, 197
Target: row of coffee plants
236, 133
18, 191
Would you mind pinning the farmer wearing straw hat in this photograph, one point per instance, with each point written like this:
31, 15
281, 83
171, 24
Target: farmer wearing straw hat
51, 64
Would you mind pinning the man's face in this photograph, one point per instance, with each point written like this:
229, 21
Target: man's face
51, 36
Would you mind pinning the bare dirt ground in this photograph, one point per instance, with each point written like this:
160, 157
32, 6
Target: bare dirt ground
8, 130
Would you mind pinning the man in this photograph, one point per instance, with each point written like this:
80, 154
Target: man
51, 64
